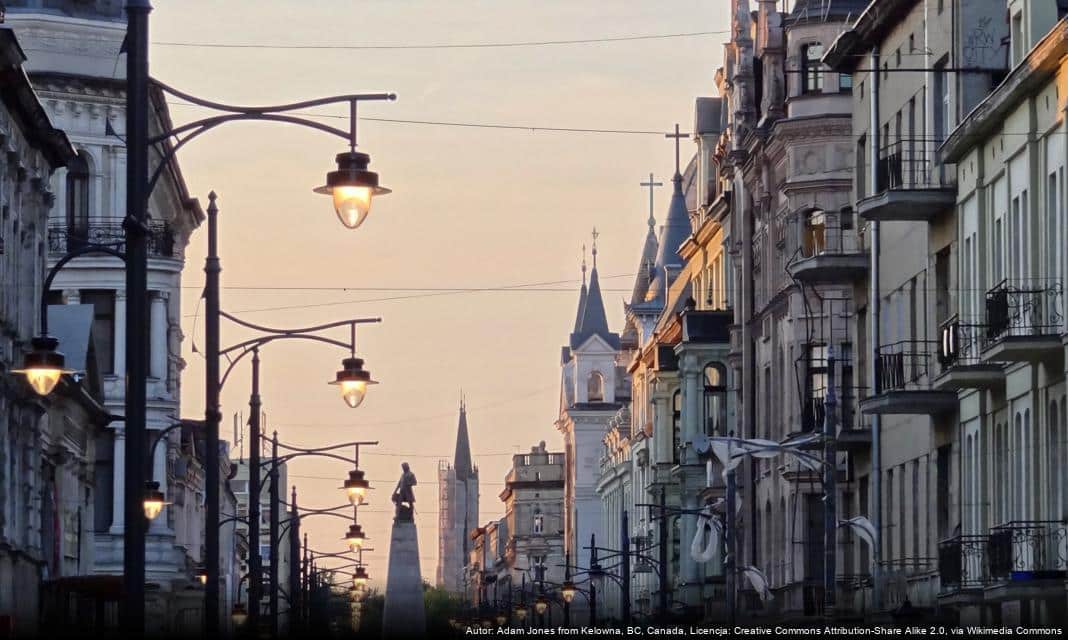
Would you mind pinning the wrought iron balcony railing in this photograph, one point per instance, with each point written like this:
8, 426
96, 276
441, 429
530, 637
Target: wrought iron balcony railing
814, 411
829, 233
911, 165
905, 365
962, 563
1028, 550
961, 343
63, 238
1024, 308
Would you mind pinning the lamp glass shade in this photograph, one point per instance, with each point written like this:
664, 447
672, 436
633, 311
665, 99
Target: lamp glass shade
44, 366
239, 614
153, 501
353, 392
356, 495
568, 591
501, 619
355, 537
352, 205
43, 380
203, 577
521, 612
541, 605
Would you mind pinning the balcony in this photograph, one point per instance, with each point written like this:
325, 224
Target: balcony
962, 567
830, 250
1025, 557
960, 358
63, 238
903, 370
1024, 320
911, 185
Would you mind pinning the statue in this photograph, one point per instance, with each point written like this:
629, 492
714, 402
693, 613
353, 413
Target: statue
403, 496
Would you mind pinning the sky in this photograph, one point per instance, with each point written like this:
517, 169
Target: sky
471, 208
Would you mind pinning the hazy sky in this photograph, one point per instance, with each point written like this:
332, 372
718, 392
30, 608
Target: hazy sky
471, 208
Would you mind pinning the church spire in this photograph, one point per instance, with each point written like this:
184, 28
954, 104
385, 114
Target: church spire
648, 257
462, 459
593, 320
675, 231
583, 295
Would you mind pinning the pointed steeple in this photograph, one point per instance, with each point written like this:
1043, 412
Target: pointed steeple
583, 295
648, 257
593, 321
462, 459
675, 231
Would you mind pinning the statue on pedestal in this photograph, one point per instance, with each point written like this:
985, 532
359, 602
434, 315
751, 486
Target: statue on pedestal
403, 496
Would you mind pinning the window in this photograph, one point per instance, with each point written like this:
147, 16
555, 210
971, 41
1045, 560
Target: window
539, 523
815, 239
715, 400
103, 302
942, 120
676, 425
845, 83
595, 387
815, 388
78, 195
811, 74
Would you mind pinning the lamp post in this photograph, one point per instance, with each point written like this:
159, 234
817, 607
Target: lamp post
352, 187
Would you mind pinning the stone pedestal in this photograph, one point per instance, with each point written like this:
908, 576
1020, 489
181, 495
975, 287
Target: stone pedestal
405, 614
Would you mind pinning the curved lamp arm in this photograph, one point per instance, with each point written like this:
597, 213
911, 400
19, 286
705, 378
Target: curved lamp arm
109, 249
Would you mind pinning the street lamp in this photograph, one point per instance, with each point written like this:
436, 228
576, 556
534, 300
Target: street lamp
521, 612
568, 591
154, 501
541, 605
202, 575
239, 614
501, 619
353, 380
43, 366
356, 487
360, 578
355, 537
352, 187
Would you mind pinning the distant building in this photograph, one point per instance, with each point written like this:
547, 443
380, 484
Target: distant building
457, 510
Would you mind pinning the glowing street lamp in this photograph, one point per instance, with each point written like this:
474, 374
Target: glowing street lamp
568, 590
239, 614
352, 187
360, 578
154, 502
44, 366
353, 380
356, 487
355, 537
541, 605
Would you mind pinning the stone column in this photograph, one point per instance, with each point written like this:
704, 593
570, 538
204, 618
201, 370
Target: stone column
159, 474
691, 394
662, 453
118, 484
158, 336
119, 343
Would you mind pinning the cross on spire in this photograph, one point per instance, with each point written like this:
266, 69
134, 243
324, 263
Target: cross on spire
678, 136
595, 234
584, 264
652, 185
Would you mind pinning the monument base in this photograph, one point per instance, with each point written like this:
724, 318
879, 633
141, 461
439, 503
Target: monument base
405, 614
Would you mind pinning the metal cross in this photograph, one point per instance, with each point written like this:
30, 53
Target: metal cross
595, 234
652, 185
678, 136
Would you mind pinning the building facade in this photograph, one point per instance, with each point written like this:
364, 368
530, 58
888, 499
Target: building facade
457, 511
77, 67
46, 443
270, 551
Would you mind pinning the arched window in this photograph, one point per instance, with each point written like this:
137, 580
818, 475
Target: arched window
78, 195
595, 387
676, 425
811, 72
715, 377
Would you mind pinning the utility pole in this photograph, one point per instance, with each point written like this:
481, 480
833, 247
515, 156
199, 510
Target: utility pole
875, 302
624, 545
133, 550
255, 564
662, 553
830, 489
294, 566
276, 544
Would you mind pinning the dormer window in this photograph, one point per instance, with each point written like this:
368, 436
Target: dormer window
811, 71
595, 387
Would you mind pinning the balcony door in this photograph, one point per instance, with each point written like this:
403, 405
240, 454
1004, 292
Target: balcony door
77, 213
